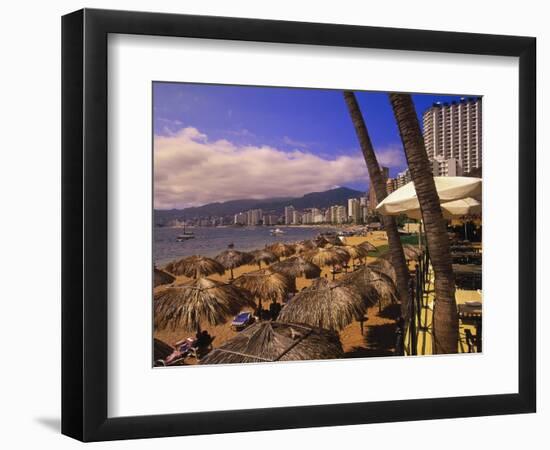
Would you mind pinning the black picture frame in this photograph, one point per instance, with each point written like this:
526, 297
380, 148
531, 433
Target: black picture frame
84, 224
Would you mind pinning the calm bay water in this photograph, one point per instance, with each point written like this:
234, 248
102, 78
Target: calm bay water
211, 241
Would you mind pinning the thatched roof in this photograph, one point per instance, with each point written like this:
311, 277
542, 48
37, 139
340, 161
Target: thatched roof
367, 246
263, 256
161, 277
356, 251
304, 246
327, 256
195, 266
324, 304
161, 350
374, 287
279, 249
198, 301
266, 284
412, 251
230, 259
323, 241
297, 266
384, 265
276, 341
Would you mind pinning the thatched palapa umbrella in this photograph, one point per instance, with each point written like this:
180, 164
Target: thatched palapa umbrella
356, 252
296, 266
412, 252
281, 250
327, 256
324, 304
161, 277
383, 265
195, 266
323, 241
304, 246
374, 287
263, 256
277, 341
266, 284
368, 246
200, 300
231, 259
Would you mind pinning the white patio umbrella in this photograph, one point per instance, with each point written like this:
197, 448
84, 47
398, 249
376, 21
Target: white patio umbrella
459, 196
451, 210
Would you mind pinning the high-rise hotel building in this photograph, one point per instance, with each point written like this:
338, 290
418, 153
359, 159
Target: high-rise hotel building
453, 131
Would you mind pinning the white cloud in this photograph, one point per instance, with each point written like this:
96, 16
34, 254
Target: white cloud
190, 171
391, 157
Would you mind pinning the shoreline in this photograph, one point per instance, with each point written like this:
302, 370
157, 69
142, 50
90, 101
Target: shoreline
210, 241
255, 227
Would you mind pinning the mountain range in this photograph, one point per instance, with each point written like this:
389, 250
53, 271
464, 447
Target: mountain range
275, 205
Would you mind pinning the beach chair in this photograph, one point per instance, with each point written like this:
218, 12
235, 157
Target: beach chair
182, 349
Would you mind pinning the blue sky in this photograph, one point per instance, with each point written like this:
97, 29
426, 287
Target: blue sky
309, 124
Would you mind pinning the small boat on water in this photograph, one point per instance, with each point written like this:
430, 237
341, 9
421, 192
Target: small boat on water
276, 231
185, 236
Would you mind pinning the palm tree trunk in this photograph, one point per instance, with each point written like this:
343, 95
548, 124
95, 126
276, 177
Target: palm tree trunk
379, 184
445, 323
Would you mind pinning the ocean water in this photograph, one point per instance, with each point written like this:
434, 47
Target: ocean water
211, 241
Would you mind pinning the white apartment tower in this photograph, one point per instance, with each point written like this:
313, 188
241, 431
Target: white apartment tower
354, 210
289, 215
453, 130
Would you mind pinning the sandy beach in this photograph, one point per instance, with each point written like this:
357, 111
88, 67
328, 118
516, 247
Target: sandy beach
375, 337
376, 328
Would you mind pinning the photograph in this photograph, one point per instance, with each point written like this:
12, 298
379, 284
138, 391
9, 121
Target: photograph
299, 224
267, 225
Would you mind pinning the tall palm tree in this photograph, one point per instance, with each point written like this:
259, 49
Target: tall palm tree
445, 311
379, 185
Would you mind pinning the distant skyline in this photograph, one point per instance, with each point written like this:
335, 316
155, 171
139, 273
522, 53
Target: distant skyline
219, 143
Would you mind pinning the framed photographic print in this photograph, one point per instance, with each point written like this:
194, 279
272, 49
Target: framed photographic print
268, 224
